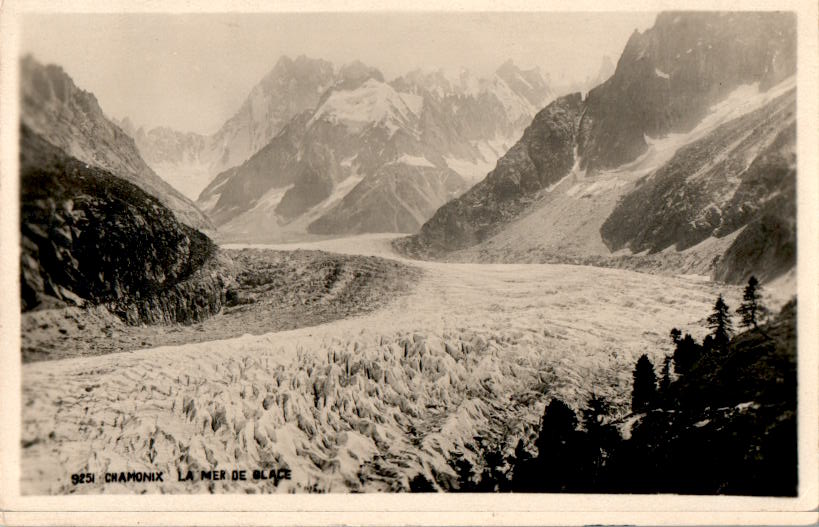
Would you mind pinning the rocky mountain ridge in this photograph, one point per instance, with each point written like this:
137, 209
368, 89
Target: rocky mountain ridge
70, 118
189, 160
438, 129
553, 191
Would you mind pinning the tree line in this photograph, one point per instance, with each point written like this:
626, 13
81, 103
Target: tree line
591, 451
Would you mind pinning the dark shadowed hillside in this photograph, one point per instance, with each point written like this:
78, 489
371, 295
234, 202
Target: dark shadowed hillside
90, 237
724, 425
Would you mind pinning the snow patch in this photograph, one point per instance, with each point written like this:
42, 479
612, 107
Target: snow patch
695, 277
341, 190
271, 199
515, 106
471, 171
662, 74
209, 203
743, 100
373, 102
415, 161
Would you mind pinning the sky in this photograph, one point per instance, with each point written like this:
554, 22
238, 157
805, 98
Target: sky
193, 71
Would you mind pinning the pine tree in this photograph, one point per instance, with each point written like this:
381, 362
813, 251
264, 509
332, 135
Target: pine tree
559, 450
676, 335
665, 380
493, 477
686, 354
463, 468
601, 438
719, 322
751, 310
645, 385
524, 473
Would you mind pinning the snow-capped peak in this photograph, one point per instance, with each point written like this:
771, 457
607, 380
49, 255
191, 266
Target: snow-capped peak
373, 102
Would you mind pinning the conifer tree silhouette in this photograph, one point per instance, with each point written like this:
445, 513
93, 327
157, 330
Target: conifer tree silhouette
719, 322
751, 310
645, 385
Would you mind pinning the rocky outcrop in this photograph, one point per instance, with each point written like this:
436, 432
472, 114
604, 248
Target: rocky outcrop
543, 156
744, 170
89, 237
669, 76
71, 119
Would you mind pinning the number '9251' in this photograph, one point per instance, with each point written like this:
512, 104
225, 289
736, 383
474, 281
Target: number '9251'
78, 479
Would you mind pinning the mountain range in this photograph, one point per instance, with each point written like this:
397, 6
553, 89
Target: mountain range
334, 169
189, 160
684, 159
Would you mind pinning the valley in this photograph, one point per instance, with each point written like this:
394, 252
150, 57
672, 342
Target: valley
378, 283
360, 403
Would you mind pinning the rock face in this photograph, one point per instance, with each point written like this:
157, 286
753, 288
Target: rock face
360, 139
695, 84
668, 77
477, 109
189, 161
543, 156
71, 119
741, 173
399, 197
90, 237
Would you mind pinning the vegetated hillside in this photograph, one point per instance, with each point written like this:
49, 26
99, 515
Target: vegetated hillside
728, 426
66, 116
671, 86
725, 424
90, 237
360, 125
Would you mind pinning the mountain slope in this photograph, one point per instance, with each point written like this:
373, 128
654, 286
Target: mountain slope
182, 159
544, 155
399, 197
361, 126
669, 76
70, 118
554, 212
189, 161
742, 171
90, 237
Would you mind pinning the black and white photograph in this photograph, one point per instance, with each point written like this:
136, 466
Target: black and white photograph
486, 252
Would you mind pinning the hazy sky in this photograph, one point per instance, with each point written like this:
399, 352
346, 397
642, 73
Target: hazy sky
192, 71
